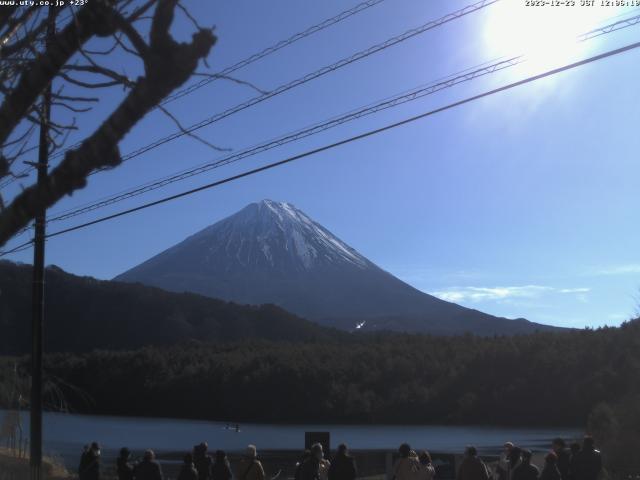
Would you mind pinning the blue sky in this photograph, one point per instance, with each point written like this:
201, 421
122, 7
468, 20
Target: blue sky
522, 204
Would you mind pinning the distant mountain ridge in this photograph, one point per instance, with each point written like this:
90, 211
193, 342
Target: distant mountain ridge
83, 314
272, 252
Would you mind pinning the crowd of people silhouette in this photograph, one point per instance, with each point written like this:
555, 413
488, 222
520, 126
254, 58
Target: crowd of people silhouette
562, 462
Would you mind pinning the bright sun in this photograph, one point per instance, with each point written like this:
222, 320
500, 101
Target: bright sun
546, 35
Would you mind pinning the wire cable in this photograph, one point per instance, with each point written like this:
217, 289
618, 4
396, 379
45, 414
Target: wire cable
237, 66
336, 121
390, 102
19, 248
352, 139
345, 141
313, 75
295, 132
354, 115
273, 48
612, 27
302, 80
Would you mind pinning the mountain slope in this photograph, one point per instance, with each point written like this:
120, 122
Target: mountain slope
83, 314
271, 252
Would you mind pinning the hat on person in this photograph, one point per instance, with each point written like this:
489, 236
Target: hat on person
251, 451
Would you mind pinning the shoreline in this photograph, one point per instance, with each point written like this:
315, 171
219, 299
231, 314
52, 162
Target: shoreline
284, 423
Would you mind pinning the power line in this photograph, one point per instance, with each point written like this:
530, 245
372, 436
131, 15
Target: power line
339, 143
313, 75
411, 95
238, 65
344, 62
446, 82
10, 179
361, 136
612, 27
354, 115
305, 79
390, 102
19, 248
273, 48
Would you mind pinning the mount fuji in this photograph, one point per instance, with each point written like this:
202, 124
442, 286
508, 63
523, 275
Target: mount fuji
271, 252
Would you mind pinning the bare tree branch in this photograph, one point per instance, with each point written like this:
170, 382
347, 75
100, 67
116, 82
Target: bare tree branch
107, 72
93, 19
25, 41
168, 64
18, 139
108, 51
134, 37
6, 14
191, 134
80, 83
57, 96
70, 108
13, 24
125, 48
189, 16
232, 79
54, 144
141, 11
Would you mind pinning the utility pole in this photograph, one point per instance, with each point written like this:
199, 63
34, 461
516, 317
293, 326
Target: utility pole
37, 318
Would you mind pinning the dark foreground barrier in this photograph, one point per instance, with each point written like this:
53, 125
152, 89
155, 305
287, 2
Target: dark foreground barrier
13, 467
372, 464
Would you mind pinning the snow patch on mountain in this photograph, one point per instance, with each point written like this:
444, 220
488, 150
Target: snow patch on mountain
271, 252
310, 241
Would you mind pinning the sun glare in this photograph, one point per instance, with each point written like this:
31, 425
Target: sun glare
547, 36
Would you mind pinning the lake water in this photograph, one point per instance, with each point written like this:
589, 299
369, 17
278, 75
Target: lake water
65, 434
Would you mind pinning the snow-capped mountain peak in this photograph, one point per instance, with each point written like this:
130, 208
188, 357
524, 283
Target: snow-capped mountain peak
272, 252
280, 232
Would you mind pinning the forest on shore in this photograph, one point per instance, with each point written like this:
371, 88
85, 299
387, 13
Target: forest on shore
84, 314
555, 378
132, 350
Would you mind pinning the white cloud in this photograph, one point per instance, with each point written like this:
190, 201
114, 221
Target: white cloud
629, 268
483, 294
582, 298
574, 290
478, 294
419, 275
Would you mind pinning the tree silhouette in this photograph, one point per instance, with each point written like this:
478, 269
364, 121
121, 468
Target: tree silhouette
31, 59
